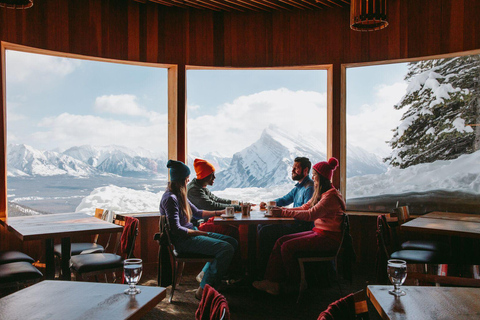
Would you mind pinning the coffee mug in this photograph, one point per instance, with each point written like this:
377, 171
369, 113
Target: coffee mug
270, 205
229, 211
246, 207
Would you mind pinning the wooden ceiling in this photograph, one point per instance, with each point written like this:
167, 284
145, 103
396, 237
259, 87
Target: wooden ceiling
253, 5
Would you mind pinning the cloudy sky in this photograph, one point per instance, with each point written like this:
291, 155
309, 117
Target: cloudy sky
56, 103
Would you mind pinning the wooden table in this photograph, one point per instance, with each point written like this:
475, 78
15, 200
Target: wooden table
64, 225
446, 223
256, 217
426, 303
79, 300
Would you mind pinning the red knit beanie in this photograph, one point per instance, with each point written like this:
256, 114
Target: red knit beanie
326, 168
203, 168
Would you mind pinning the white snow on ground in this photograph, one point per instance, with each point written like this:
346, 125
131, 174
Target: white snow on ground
461, 174
121, 199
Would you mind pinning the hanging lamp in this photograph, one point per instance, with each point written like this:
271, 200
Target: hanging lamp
16, 4
368, 15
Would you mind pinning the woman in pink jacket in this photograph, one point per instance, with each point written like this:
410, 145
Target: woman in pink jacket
326, 209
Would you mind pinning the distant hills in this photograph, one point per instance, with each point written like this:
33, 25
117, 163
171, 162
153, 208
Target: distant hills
264, 163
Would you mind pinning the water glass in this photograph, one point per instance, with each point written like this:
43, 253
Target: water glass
397, 273
133, 272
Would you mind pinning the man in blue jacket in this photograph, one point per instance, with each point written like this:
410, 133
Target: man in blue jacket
299, 195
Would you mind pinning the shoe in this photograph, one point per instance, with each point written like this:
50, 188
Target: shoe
200, 276
199, 293
270, 287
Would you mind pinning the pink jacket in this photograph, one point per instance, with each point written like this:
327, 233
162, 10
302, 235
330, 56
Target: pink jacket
327, 213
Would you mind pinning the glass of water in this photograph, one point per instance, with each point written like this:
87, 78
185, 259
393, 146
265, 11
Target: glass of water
132, 269
397, 273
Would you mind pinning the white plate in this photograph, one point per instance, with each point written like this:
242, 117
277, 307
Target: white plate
224, 216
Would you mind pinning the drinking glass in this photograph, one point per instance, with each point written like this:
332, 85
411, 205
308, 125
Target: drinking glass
397, 273
133, 271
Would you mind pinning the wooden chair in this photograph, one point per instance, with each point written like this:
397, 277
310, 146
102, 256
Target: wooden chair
86, 265
321, 257
178, 259
352, 307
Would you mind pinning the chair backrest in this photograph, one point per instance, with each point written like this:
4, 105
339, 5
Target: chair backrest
384, 238
361, 306
165, 227
129, 235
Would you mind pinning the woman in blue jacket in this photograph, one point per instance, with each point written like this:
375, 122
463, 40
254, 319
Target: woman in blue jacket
188, 239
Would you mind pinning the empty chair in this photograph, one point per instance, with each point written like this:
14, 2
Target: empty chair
322, 257
403, 215
352, 307
16, 270
85, 265
386, 250
212, 306
14, 256
170, 262
87, 247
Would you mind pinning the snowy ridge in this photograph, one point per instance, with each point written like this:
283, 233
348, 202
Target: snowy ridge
461, 174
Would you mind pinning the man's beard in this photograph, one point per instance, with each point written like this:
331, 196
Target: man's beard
297, 177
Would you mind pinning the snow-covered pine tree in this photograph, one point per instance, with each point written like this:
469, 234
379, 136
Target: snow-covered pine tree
442, 99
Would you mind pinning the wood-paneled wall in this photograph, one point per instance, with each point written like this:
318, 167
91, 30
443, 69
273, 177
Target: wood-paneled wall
128, 30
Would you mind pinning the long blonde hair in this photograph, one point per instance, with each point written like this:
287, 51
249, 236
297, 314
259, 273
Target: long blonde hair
179, 189
323, 185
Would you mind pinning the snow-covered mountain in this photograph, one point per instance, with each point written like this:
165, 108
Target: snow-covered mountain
268, 161
24, 160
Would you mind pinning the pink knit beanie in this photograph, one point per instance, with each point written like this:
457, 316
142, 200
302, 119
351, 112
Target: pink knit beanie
326, 168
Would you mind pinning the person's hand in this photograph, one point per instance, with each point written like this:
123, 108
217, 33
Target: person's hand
262, 205
194, 233
219, 212
276, 211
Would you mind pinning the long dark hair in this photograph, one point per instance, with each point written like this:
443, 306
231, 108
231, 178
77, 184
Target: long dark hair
179, 189
323, 186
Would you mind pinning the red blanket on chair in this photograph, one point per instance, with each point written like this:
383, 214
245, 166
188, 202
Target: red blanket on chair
128, 235
342, 309
212, 305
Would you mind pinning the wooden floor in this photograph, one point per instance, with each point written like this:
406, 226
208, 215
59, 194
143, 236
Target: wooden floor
247, 303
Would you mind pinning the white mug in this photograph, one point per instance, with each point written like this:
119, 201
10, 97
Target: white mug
270, 205
229, 211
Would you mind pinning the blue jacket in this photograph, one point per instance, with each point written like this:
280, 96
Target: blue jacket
300, 194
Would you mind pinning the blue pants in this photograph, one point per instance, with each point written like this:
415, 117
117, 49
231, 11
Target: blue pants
218, 245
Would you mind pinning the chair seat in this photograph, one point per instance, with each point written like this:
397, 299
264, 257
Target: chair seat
420, 256
18, 271
14, 256
78, 247
425, 245
84, 263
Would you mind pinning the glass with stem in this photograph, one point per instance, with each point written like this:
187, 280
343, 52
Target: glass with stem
397, 273
133, 272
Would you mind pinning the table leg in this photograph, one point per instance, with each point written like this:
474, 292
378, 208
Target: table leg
252, 251
49, 260
66, 254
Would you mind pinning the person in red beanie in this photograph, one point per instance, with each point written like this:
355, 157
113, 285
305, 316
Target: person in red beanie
326, 209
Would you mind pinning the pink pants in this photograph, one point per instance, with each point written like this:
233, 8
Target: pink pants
283, 264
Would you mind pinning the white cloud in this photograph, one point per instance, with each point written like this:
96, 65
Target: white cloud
22, 66
373, 125
66, 130
120, 104
240, 123
193, 107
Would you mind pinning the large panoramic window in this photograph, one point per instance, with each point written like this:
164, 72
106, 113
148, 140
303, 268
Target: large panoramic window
83, 134
413, 136
251, 124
